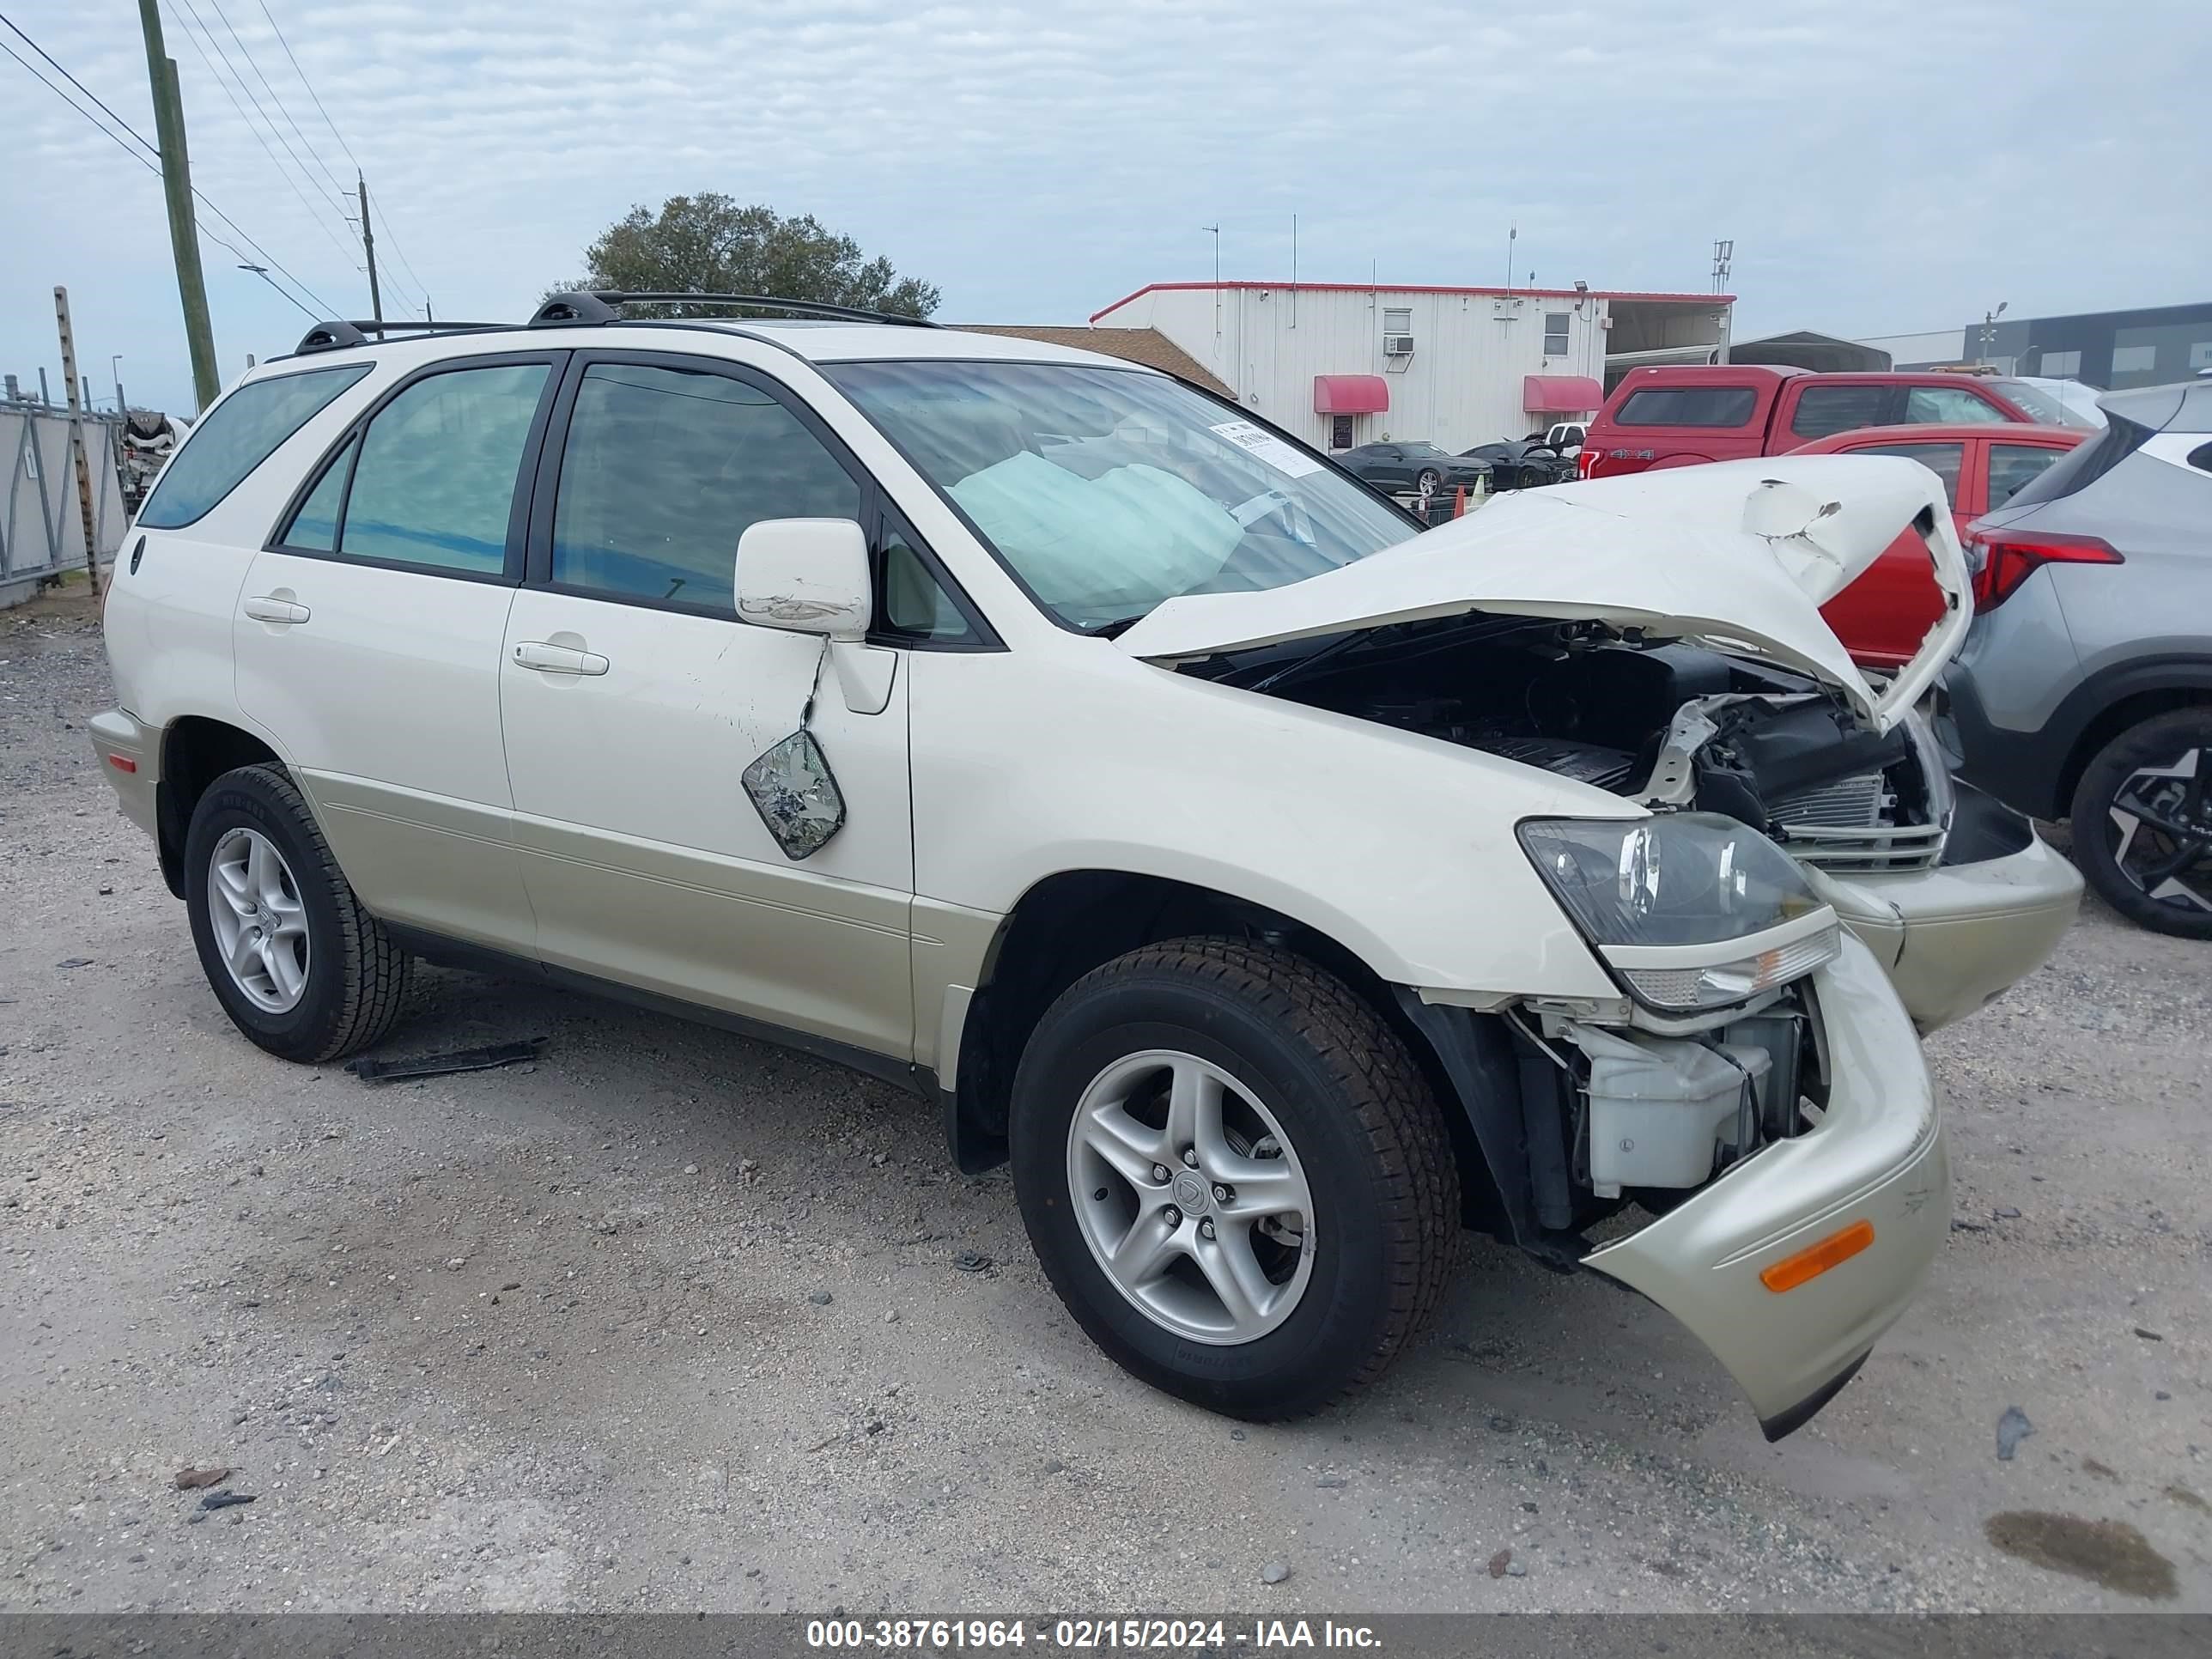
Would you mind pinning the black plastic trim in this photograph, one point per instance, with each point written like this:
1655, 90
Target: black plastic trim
606, 298
449, 952
1797, 1416
1983, 828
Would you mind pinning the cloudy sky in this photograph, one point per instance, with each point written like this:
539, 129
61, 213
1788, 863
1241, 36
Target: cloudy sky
1883, 166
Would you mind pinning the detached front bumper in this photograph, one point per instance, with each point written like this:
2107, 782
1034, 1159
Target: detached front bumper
130, 758
1875, 1161
1954, 938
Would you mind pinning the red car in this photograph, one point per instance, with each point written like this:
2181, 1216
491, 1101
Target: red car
1680, 416
1883, 615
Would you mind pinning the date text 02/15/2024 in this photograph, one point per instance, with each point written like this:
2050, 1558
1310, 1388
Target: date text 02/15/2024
1126, 1634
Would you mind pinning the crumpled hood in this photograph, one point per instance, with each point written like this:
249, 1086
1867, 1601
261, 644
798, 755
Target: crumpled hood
1741, 553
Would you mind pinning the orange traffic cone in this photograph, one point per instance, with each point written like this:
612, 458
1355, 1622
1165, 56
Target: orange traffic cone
1459, 502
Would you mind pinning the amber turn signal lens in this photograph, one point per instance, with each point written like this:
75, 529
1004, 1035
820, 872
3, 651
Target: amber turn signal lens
1815, 1260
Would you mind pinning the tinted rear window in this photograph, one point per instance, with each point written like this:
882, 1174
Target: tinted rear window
1688, 405
2083, 466
1825, 409
237, 436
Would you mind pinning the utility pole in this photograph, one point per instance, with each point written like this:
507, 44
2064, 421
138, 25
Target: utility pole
77, 438
369, 247
177, 185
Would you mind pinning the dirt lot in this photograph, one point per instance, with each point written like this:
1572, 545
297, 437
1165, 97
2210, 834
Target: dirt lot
674, 1320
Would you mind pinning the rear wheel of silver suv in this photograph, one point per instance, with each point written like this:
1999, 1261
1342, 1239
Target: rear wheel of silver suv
297, 963
1234, 1174
2142, 824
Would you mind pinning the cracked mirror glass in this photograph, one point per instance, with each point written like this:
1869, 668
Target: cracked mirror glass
796, 794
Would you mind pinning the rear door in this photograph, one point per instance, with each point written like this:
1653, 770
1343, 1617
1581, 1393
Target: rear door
367, 640
635, 699
1885, 614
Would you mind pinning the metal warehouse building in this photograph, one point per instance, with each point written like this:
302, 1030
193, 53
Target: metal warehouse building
1342, 363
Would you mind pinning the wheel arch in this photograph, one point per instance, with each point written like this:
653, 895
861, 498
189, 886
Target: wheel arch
2104, 707
1070, 922
196, 750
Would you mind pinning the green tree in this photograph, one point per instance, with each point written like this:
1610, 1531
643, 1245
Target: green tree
708, 244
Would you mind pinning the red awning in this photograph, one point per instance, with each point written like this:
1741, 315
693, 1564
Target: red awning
1560, 394
1352, 394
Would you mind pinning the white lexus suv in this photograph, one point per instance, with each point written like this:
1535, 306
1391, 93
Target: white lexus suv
1279, 887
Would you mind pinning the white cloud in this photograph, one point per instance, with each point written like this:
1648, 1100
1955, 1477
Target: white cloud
1880, 164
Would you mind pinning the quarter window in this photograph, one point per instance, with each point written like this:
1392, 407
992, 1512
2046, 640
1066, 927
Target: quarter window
914, 605
237, 436
664, 469
1823, 409
1950, 405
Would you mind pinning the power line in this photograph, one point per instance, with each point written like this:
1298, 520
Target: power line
401, 253
336, 241
152, 166
246, 52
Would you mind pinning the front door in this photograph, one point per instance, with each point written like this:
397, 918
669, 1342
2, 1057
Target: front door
367, 640
635, 699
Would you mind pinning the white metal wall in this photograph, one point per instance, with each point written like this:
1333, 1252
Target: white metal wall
41, 525
1462, 386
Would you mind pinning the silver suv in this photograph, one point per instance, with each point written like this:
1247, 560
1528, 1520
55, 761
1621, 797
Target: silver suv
2084, 689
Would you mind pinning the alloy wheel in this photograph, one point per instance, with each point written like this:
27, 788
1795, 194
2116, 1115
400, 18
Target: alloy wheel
2162, 831
1190, 1197
260, 925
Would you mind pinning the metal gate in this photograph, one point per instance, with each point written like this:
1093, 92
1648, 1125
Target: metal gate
41, 529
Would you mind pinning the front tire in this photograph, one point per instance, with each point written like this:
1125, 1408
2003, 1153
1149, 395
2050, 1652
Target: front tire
1234, 1174
1428, 482
2142, 824
301, 968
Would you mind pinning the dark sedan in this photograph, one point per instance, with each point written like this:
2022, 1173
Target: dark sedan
1412, 469
1521, 463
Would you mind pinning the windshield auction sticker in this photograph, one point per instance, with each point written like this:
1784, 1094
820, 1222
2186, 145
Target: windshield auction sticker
1266, 447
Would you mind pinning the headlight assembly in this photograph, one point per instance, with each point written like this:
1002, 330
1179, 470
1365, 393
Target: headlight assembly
1691, 910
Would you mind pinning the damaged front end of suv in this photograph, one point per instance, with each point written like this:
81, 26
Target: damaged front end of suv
1806, 890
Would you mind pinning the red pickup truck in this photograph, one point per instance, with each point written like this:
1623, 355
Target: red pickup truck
1660, 417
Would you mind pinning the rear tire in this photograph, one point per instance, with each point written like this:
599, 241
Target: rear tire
2160, 770
317, 976
1294, 1056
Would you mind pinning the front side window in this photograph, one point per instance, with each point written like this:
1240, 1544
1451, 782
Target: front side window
1823, 409
1950, 406
2013, 467
664, 469
1688, 405
433, 477
1107, 491
1942, 459
236, 436
2042, 407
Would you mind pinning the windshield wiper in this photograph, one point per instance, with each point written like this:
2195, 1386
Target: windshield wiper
1115, 628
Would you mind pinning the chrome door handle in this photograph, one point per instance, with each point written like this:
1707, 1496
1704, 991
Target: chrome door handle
558, 658
262, 608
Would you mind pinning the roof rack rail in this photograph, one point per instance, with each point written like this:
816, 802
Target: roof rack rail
602, 306
336, 336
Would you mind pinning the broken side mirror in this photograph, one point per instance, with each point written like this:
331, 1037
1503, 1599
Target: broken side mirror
806, 576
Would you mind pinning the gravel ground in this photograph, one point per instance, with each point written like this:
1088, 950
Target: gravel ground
674, 1320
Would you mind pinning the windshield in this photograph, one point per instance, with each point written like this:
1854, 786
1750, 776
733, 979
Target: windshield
1106, 491
2048, 409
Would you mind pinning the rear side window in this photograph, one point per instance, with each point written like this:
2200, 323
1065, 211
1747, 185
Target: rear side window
237, 436
1825, 409
2080, 468
1688, 405
664, 469
431, 483
1942, 459
2013, 467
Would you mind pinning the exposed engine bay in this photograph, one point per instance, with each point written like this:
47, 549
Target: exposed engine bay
1673, 726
